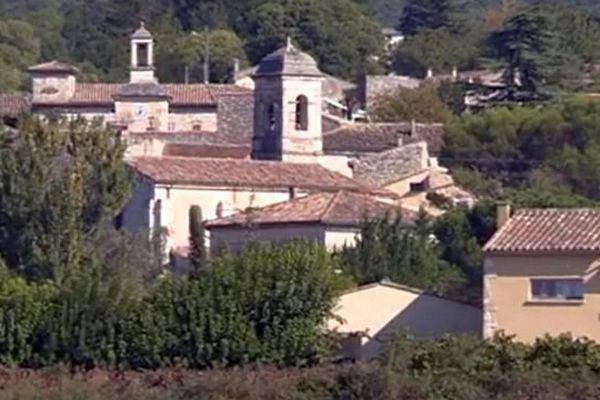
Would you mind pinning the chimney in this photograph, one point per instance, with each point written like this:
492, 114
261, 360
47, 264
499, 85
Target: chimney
292, 192
413, 127
236, 67
400, 140
454, 73
502, 213
429, 73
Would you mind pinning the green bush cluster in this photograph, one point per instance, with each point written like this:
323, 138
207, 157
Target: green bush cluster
265, 306
457, 368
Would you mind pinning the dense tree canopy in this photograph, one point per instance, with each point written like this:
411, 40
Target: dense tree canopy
553, 150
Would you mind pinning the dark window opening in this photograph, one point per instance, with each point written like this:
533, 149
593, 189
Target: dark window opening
271, 120
421, 186
301, 113
142, 55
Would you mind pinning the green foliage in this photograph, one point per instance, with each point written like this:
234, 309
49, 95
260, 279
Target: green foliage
422, 105
19, 49
409, 255
197, 254
551, 150
336, 32
58, 181
419, 15
461, 234
188, 52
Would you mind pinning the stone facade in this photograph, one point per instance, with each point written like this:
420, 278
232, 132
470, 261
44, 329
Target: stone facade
372, 86
287, 112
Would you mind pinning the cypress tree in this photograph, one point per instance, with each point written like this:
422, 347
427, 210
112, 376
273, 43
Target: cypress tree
197, 238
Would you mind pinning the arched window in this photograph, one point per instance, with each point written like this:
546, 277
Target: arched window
142, 54
271, 120
301, 113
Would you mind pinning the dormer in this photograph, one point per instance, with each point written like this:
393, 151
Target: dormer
142, 56
53, 82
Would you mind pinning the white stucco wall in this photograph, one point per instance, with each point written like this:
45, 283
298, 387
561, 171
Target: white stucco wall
338, 163
179, 200
379, 311
336, 238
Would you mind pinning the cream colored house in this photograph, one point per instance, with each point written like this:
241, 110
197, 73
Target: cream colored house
333, 219
142, 105
169, 186
370, 315
541, 274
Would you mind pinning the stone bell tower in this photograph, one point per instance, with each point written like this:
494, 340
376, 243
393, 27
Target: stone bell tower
142, 56
287, 107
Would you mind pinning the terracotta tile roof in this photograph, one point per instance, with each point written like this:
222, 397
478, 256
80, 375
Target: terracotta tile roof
574, 230
246, 173
199, 150
13, 104
181, 94
341, 208
53, 66
377, 137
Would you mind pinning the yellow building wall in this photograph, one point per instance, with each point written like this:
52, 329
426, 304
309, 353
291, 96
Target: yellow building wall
380, 311
509, 308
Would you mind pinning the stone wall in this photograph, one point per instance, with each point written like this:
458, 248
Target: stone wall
372, 86
235, 117
389, 166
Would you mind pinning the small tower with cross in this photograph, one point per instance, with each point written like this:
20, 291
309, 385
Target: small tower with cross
142, 56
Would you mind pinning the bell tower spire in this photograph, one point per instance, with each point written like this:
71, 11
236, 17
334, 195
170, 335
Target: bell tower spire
142, 56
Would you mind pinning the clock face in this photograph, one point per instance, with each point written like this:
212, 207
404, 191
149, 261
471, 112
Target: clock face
139, 110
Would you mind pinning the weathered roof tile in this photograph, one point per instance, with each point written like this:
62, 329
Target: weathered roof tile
377, 137
549, 231
246, 173
340, 208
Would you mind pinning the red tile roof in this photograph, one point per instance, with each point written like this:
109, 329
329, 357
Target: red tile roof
206, 151
377, 137
13, 104
339, 208
549, 231
246, 173
101, 94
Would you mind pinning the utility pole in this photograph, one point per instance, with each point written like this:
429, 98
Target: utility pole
206, 56
186, 71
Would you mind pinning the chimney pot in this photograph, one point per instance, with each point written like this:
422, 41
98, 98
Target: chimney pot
502, 213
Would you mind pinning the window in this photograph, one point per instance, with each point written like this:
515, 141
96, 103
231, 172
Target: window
557, 289
197, 126
142, 54
271, 118
152, 123
301, 113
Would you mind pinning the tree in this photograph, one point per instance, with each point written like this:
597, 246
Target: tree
428, 14
387, 249
421, 104
189, 53
58, 181
540, 51
19, 48
197, 238
345, 42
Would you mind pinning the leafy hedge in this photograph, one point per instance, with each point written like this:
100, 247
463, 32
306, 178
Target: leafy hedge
267, 306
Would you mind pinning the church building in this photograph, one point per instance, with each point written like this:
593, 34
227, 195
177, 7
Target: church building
231, 149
